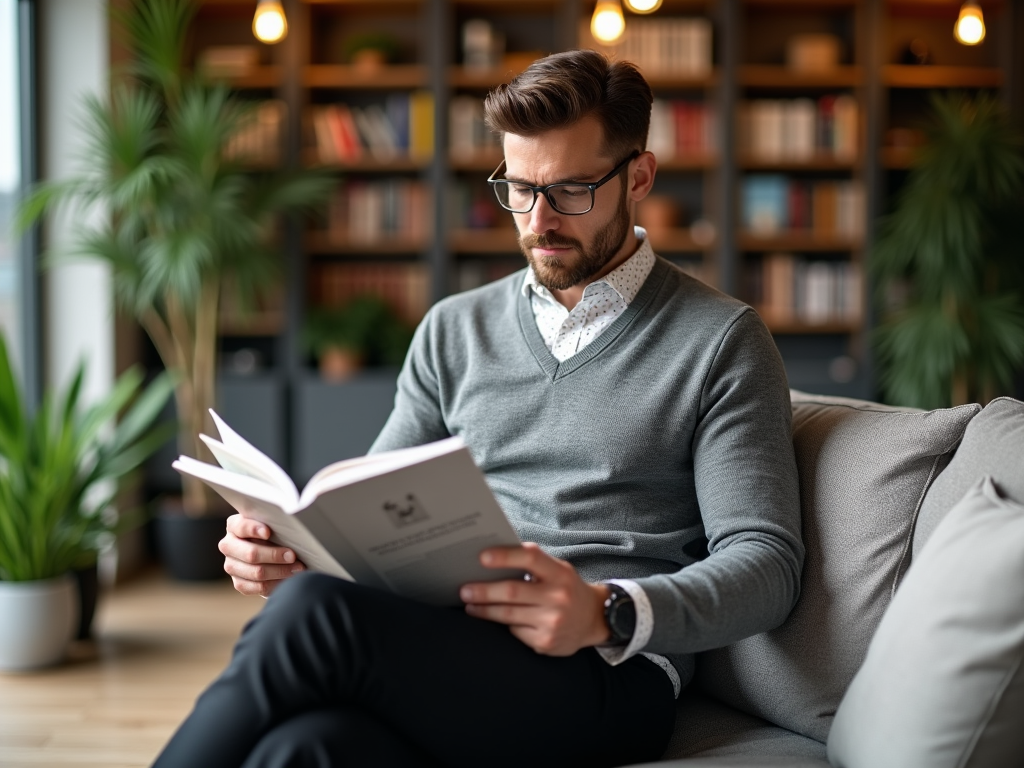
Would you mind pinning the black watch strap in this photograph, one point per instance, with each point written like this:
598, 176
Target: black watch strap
619, 615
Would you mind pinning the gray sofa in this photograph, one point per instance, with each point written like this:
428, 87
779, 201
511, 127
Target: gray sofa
906, 647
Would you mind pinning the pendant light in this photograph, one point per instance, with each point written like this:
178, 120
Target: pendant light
643, 6
269, 24
607, 23
970, 27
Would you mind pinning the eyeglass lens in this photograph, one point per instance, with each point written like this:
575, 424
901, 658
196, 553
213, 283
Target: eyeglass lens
564, 198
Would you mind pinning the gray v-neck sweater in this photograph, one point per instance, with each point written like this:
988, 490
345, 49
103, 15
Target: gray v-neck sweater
661, 452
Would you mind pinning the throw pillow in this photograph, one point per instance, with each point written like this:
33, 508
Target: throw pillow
943, 682
864, 469
993, 445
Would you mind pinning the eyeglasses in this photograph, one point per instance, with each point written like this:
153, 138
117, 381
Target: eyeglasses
571, 199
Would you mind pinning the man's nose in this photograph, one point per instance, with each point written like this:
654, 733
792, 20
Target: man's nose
543, 218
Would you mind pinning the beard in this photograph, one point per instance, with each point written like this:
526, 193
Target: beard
559, 273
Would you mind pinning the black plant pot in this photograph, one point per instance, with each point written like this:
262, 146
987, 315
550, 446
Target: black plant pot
187, 546
88, 591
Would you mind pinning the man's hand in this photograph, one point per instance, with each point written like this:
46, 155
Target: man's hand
255, 568
556, 613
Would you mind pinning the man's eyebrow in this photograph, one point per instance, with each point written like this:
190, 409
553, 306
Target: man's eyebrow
574, 179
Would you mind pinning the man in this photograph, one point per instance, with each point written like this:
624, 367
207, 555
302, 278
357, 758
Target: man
632, 422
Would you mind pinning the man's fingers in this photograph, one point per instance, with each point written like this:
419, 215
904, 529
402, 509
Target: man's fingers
247, 528
501, 592
251, 552
261, 588
260, 572
528, 557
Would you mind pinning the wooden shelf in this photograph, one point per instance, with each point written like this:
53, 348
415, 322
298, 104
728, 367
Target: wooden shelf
688, 163
660, 82
824, 162
461, 77
802, 4
322, 244
479, 162
770, 76
929, 76
392, 77
797, 241
677, 240
368, 164
500, 240
796, 327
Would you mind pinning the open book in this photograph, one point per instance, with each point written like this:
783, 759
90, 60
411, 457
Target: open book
412, 521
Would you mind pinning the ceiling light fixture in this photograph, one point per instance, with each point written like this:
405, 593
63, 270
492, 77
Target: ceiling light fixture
970, 27
607, 23
269, 24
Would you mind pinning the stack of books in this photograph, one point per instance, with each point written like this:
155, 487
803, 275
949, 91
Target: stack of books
799, 129
682, 129
774, 204
373, 211
402, 127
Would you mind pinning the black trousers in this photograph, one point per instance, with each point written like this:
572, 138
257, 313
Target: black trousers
335, 675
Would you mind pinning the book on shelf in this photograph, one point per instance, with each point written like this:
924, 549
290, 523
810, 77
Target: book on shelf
681, 129
773, 204
399, 127
785, 290
664, 47
473, 273
405, 286
411, 521
370, 212
799, 129
259, 140
468, 134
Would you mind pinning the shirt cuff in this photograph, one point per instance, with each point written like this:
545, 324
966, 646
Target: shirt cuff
644, 624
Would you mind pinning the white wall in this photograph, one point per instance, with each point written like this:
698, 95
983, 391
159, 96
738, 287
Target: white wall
74, 57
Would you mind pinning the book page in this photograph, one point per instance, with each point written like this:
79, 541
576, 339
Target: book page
417, 530
256, 463
259, 501
353, 470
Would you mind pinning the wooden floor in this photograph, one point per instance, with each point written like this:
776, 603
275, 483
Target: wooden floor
116, 701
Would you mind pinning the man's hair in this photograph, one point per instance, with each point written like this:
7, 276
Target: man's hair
560, 90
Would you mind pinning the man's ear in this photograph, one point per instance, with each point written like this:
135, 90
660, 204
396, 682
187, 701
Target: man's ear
642, 176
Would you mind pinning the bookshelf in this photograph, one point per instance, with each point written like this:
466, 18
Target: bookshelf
451, 52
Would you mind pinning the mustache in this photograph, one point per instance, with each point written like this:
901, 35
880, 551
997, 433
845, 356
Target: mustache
549, 241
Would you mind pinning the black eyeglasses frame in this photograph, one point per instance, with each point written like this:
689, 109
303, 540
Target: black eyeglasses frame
543, 190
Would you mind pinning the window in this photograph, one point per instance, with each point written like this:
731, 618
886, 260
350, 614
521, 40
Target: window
17, 262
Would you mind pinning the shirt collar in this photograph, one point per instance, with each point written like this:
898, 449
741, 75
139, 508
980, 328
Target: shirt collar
641, 261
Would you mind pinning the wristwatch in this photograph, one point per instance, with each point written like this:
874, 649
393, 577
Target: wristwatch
619, 615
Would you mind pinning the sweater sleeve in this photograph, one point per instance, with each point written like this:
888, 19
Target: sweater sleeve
747, 489
417, 417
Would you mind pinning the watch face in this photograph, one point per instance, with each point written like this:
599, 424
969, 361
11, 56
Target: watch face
621, 615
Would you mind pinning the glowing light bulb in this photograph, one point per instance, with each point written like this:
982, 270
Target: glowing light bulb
608, 23
970, 27
269, 24
643, 6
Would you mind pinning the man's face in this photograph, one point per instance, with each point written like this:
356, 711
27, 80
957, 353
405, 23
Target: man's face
565, 251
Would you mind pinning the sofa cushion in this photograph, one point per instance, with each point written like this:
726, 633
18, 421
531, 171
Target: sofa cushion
993, 445
943, 682
864, 469
709, 733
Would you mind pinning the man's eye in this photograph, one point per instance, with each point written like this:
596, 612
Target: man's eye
575, 191
521, 190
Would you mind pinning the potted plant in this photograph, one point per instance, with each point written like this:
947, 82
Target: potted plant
58, 473
949, 262
370, 50
184, 219
363, 331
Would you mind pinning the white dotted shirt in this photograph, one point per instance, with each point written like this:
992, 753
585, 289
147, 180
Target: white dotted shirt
567, 332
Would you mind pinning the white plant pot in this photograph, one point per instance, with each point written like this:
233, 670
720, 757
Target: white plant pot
37, 621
